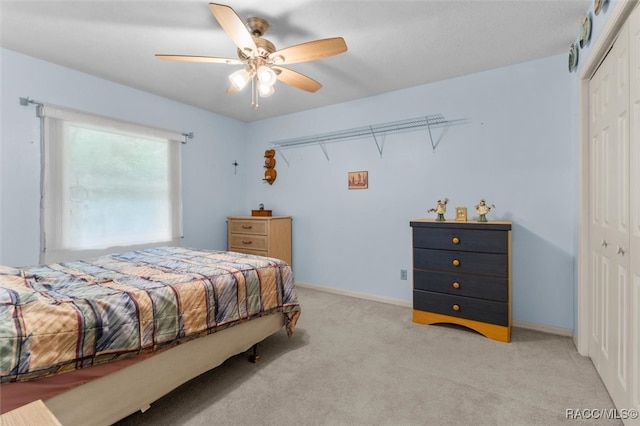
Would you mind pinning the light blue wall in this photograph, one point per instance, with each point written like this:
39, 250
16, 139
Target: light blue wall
517, 152
210, 186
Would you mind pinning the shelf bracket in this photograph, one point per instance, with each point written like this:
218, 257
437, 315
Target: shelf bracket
379, 145
445, 129
283, 157
324, 149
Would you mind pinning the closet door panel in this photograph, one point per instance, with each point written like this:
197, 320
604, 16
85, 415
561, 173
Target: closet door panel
611, 221
619, 314
634, 234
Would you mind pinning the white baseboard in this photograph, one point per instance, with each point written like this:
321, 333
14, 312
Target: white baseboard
408, 304
398, 302
560, 331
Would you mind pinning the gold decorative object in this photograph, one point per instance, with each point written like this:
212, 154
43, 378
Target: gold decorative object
461, 214
482, 209
440, 209
270, 173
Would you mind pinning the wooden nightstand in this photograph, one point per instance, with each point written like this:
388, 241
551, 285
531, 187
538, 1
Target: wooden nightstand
264, 236
462, 275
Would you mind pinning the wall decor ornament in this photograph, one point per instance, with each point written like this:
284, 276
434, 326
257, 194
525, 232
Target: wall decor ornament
270, 173
585, 30
573, 57
599, 6
482, 209
358, 180
440, 209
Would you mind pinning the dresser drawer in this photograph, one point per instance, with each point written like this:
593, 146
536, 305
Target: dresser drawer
467, 307
246, 241
477, 240
248, 226
483, 287
461, 262
249, 251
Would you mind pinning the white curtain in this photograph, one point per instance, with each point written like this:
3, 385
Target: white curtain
107, 186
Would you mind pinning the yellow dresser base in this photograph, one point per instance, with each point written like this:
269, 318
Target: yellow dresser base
492, 331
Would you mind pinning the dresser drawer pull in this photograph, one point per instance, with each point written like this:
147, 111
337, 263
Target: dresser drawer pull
455, 240
456, 285
456, 307
456, 262
247, 226
247, 242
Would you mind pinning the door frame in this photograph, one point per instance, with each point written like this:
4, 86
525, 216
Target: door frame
617, 18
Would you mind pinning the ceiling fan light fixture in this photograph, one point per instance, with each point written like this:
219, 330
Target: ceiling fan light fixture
265, 90
266, 76
240, 78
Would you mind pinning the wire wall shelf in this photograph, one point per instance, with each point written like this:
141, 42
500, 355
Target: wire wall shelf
376, 131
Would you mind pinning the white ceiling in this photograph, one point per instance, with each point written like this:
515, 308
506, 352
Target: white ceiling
392, 44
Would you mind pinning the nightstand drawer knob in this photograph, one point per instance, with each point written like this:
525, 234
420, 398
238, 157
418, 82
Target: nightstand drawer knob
247, 242
247, 226
456, 262
456, 285
456, 307
456, 240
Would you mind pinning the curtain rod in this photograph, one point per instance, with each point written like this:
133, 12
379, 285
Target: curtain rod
26, 101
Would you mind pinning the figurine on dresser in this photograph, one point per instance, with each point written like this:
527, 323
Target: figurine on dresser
440, 209
482, 209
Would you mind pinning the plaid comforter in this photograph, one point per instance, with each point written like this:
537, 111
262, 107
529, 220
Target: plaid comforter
59, 317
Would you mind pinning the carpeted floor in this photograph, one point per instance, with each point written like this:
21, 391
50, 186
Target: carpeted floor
359, 362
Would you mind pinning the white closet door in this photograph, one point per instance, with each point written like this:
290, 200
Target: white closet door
599, 88
610, 344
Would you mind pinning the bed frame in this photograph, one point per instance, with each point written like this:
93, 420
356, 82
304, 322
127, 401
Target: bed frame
110, 398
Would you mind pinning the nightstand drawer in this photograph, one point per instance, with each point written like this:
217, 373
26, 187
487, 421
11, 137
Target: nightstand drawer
461, 262
462, 307
460, 239
483, 287
250, 242
247, 226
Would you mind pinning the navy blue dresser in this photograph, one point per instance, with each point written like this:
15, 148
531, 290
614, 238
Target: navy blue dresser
462, 275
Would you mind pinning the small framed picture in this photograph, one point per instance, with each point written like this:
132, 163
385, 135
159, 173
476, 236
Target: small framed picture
358, 180
461, 214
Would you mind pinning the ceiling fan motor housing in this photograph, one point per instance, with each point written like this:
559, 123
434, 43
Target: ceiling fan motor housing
265, 48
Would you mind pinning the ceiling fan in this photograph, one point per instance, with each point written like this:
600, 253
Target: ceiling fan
262, 62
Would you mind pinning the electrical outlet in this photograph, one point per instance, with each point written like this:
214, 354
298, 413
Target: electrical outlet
403, 274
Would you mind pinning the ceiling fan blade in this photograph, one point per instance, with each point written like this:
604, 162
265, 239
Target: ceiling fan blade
234, 27
309, 51
206, 59
296, 79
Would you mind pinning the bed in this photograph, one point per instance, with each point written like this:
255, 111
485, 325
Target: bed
99, 339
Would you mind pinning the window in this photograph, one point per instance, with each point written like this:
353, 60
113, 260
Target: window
107, 186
